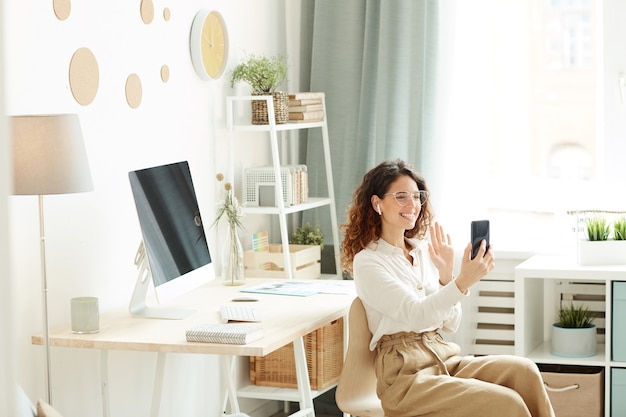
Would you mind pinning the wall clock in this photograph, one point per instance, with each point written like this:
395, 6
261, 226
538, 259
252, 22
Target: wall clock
208, 44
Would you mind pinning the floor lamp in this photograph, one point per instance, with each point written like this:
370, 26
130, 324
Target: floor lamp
48, 158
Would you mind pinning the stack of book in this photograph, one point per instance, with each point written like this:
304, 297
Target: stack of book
306, 107
259, 185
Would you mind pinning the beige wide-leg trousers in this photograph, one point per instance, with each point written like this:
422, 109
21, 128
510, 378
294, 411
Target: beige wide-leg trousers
422, 375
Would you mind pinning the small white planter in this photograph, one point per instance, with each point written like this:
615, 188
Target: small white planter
602, 252
574, 343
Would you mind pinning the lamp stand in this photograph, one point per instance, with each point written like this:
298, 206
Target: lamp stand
49, 157
44, 295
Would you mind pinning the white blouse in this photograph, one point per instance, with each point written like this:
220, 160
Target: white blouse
400, 297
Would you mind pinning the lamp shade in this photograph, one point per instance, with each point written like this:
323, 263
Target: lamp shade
49, 155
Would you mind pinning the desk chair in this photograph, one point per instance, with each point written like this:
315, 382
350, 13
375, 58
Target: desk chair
356, 391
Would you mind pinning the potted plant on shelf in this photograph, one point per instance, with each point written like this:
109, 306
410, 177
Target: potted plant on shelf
599, 246
309, 239
308, 235
574, 335
264, 75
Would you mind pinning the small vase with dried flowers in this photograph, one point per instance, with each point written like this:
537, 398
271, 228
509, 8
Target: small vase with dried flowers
232, 249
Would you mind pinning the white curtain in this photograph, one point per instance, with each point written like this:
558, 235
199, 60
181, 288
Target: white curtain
379, 64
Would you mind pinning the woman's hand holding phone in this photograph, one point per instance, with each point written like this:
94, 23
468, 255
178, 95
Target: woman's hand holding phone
478, 260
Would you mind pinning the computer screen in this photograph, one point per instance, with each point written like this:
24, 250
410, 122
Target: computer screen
174, 241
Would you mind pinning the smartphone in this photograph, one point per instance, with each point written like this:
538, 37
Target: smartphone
480, 232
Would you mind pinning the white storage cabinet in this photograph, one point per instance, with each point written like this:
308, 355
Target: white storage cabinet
539, 281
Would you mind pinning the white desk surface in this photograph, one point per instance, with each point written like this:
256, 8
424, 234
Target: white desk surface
560, 266
284, 318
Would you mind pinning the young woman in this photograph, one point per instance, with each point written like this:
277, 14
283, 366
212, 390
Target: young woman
410, 294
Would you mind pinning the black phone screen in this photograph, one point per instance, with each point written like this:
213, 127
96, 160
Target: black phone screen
480, 231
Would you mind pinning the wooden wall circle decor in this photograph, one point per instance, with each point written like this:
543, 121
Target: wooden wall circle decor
133, 91
84, 76
62, 8
147, 11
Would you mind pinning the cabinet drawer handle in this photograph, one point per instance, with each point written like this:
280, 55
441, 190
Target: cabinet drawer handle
568, 388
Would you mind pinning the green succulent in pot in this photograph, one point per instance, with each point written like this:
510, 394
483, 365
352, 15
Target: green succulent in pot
574, 335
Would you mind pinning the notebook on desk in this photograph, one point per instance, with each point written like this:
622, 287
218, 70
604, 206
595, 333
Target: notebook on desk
234, 334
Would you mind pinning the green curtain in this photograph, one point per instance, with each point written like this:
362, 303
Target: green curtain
376, 61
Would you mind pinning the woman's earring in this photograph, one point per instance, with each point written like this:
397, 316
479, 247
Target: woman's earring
378, 209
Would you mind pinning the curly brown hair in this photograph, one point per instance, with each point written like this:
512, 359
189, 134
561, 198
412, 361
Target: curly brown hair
363, 225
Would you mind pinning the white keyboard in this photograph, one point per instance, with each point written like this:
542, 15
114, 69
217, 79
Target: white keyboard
237, 312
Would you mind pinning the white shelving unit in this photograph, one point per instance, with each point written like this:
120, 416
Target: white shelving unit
536, 286
281, 210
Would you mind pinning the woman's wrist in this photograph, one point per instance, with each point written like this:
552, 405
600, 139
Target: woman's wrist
460, 284
443, 284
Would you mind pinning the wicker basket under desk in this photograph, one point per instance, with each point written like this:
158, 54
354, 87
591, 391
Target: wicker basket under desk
324, 356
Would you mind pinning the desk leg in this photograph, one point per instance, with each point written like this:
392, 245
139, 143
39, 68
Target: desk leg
104, 382
302, 377
227, 365
158, 384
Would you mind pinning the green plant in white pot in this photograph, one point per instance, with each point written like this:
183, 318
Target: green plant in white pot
600, 246
264, 75
574, 334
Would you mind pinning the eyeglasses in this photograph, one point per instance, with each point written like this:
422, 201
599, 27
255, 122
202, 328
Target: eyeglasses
404, 197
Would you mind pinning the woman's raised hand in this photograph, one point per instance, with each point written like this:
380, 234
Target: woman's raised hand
441, 252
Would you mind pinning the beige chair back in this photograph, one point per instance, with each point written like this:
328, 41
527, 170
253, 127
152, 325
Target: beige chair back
356, 391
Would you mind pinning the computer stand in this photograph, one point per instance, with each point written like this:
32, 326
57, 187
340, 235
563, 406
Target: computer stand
138, 306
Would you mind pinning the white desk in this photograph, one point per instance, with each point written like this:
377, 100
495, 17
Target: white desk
285, 319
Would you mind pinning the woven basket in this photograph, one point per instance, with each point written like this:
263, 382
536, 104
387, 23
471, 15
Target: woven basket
575, 390
281, 108
324, 359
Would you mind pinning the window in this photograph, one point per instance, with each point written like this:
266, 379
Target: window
522, 142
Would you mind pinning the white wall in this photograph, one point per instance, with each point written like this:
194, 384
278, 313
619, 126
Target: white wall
91, 238
7, 326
